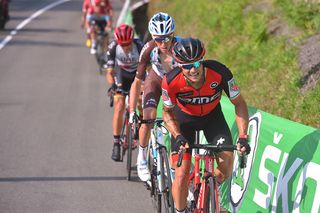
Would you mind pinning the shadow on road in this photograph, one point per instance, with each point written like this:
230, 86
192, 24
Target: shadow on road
45, 179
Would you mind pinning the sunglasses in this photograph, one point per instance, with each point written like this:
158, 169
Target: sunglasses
190, 66
163, 39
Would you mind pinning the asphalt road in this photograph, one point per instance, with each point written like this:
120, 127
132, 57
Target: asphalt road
55, 123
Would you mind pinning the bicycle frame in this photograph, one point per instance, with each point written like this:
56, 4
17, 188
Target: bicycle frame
204, 183
129, 133
161, 175
102, 44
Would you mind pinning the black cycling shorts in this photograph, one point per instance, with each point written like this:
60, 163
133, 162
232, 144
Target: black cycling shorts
123, 79
214, 126
152, 90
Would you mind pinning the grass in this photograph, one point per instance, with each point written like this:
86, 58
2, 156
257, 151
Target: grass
265, 66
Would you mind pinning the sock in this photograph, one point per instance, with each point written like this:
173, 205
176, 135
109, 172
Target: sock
116, 138
181, 211
220, 194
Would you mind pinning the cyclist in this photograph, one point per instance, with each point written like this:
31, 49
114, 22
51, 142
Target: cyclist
122, 62
99, 18
156, 52
191, 96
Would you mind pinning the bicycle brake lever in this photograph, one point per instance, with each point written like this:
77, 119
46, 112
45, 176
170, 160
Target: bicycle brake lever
242, 162
180, 158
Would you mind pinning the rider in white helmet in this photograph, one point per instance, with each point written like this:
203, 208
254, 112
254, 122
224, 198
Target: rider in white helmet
156, 52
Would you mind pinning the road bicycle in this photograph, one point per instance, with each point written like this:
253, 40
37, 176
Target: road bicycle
160, 183
102, 42
128, 134
205, 193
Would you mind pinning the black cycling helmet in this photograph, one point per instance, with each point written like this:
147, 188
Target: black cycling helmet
188, 50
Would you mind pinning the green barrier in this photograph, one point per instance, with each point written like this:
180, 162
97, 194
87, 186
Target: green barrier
282, 169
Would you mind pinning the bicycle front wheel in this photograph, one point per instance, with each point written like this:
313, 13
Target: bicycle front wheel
166, 183
129, 151
212, 197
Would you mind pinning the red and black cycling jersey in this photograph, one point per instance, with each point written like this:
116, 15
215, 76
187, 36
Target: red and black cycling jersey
199, 102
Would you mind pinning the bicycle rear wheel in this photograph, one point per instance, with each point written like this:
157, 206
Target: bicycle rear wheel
129, 151
166, 182
212, 197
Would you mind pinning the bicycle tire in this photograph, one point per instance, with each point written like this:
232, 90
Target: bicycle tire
123, 137
156, 202
167, 182
212, 199
156, 196
129, 151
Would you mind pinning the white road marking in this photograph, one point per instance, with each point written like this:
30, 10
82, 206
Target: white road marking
8, 38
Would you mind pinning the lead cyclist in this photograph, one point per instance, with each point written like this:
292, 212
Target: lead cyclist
191, 96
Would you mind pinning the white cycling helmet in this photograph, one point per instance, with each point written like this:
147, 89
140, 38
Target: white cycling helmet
161, 24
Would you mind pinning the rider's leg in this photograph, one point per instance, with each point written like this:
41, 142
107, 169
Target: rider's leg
151, 97
117, 125
179, 185
144, 135
93, 39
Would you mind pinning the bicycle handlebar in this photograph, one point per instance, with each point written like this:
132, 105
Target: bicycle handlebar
215, 149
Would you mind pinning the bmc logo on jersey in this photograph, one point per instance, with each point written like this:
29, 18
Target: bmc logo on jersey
199, 100
214, 85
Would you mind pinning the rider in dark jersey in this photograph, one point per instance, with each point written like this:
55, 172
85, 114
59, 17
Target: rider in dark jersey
122, 62
191, 96
156, 53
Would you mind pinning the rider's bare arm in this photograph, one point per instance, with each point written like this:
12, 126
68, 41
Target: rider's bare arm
242, 116
171, 121
135, 90
134, 93
109, 76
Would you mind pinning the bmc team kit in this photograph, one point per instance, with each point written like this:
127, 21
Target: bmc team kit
160, 183
204, 197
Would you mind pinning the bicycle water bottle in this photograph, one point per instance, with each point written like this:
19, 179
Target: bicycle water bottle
160, 136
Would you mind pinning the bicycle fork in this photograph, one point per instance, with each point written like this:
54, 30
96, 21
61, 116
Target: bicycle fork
201, 198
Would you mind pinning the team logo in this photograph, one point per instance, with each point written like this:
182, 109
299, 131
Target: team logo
241, 177
165, 98
221, 141
214, 85
200, 100
233, 88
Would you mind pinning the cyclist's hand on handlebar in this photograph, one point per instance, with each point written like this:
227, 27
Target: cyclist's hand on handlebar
180, 140
242, 145
112, 89
183, 143
132, 116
